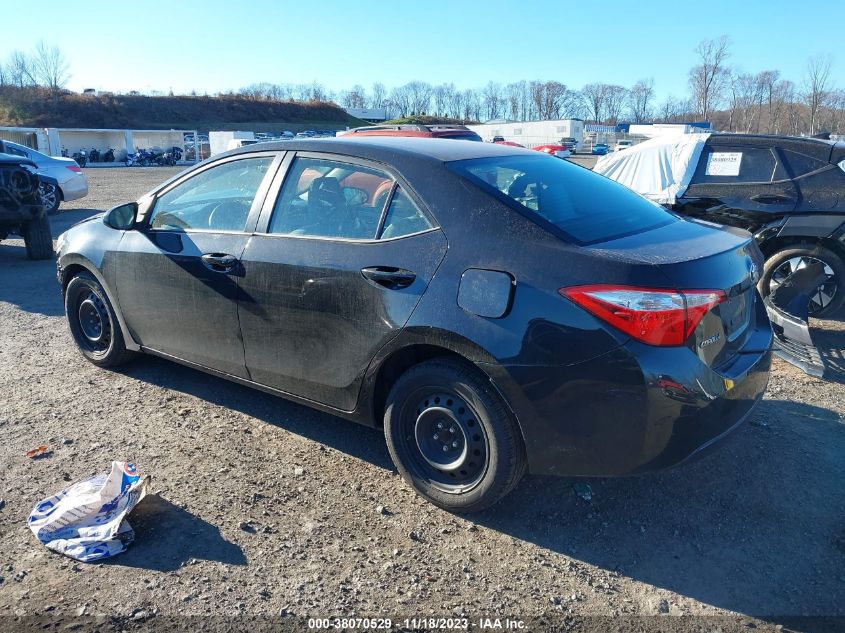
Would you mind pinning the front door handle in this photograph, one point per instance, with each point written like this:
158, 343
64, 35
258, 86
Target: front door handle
771, 198
389, 277
220, 262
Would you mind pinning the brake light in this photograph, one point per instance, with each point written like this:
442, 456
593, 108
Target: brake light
653, 316
75, 168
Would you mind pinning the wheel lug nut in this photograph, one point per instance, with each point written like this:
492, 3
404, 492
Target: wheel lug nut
451, 429
436, 436
439, 425
455, 444
445, 447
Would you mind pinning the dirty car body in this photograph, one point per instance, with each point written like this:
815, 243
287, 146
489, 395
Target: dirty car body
617, 337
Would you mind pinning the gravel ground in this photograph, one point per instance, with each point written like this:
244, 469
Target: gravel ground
261, 507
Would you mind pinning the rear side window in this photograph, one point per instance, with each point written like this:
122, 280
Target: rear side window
800, 164
732, 165
403, 217
563, 197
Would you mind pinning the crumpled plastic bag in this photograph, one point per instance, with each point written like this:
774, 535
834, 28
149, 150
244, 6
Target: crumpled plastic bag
87, 521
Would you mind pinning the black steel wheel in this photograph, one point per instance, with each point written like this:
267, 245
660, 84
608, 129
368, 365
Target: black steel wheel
93, 322
829, 297
451, 436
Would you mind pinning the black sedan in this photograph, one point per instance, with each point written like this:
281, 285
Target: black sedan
495, 309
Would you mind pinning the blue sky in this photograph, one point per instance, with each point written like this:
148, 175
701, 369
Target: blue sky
217, 45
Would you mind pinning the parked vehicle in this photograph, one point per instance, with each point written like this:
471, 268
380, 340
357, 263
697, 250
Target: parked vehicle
64, 180
454, 132
600, 149
367, 279
508, 144
131, 159
171, 156
108, 156
81, 158
789, 192
569, 143
623, 144
553, 149
21, 208
94, 155
498, 139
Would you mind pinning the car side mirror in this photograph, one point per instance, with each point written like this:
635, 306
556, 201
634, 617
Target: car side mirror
121, 217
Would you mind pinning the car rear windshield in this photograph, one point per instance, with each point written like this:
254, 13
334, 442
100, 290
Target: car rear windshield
564, 198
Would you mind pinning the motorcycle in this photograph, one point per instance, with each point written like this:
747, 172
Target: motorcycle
171, 156
132, 159
94, 155
108, 157
64, 152
80, 158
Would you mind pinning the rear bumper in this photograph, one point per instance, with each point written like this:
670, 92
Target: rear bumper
638, 408
74, 188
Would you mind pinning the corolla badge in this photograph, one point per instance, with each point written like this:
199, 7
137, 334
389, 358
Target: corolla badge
710, 340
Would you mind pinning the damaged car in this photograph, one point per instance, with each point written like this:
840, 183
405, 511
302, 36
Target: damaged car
494, 309
22, 210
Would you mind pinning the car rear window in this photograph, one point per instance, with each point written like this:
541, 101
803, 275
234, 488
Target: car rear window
565, 198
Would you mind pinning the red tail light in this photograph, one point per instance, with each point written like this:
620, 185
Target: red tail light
653, 316
75, 168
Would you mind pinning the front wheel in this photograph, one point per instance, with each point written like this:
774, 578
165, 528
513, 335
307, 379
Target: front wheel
829, 296
93, 322
451, 437
37, 238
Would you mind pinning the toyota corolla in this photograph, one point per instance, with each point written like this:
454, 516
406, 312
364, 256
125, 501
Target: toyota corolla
494, 309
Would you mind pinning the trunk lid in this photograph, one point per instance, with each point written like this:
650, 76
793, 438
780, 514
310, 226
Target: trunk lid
693, 255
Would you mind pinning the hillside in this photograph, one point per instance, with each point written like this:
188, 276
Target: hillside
37, 107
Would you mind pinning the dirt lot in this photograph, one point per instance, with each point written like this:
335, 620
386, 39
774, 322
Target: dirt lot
754, 533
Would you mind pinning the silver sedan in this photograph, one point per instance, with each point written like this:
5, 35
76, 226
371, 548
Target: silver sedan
72, 183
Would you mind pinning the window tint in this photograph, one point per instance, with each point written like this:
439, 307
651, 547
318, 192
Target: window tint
585, 206
800, 164
217, 199
327, 198
403, 217
733, 165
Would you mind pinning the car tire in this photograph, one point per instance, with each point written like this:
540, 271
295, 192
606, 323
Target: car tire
51, 197
93, 322
448, 403
780, 263
37, 238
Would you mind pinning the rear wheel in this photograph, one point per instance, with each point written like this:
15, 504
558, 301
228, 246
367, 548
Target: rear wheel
451, 436
829, 296
93, 322
51, 197
37, 238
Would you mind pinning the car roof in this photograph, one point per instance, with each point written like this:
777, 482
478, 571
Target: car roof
385, 148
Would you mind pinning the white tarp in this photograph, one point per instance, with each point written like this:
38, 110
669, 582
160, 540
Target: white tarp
87, 521
659, 169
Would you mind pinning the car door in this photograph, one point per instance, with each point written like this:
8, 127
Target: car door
739, 184
338, 263
177, 274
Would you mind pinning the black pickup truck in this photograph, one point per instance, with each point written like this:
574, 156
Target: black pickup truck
21, 210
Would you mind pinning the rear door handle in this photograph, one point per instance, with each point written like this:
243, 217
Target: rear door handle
771, 198
389, 277
220, 262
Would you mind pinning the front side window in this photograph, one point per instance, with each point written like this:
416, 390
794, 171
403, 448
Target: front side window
586, 207
328, 198
217, 199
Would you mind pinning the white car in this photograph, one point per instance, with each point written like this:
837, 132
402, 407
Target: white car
72, 182
620, 145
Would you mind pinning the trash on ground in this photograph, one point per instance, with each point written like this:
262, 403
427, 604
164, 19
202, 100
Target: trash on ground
584, 491
40, 451
87, 521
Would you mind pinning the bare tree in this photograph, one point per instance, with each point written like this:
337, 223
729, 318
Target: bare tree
614, 103
379, 95
420, 96
494, 100
443, 94
639, 100
816, 86
400, 97
707, 79
595, 95
51, 67
4, 79
21, 70
355, 97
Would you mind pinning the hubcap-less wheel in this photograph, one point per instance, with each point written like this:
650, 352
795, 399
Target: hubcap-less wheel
94, 322
49, 195
447, 443
823, 295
